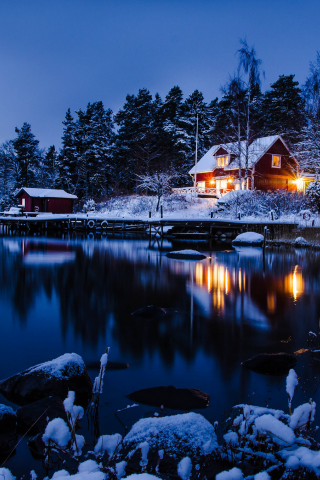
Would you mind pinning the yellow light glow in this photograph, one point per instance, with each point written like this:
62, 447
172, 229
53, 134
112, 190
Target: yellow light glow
209, 280
227, 282
271, 302
239, 279
199, 274
293, 283
212, 181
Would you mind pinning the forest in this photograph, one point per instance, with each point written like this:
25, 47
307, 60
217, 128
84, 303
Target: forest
105, 154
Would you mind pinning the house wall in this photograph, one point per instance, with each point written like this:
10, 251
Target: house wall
269, 178
53, 205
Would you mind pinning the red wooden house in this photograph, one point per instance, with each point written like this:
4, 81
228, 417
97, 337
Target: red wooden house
271, 166
46, 200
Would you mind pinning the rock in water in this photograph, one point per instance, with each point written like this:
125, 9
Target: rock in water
152, 313
95, 365
300, 242
171, 397
248, 239
28, 416
55, 377
186, 255
8, 430
271, 363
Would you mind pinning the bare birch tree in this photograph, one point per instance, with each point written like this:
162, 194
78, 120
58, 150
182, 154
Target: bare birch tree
158, 183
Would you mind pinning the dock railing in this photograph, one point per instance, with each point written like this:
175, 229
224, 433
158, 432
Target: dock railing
201, 191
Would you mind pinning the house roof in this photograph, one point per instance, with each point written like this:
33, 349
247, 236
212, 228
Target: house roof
46, 193
257, 149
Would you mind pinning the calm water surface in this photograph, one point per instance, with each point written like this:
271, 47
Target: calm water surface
77, 295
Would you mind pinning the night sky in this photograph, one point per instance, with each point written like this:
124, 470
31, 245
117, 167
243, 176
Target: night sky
57, 54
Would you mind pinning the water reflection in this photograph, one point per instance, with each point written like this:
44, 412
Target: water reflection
97, 284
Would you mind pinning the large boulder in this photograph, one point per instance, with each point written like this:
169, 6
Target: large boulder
153, 313
171, 397
34, 416
271, 363
8, 430
55, 377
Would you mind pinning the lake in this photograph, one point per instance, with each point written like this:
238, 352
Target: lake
62, 295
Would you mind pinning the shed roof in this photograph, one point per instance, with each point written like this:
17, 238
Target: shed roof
257, 149
46, 193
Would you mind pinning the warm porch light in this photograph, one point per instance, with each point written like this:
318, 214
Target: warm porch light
212, 181
299, 183
230, 179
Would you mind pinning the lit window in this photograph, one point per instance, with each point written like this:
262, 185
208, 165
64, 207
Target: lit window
222, 160
276, 161
23, 202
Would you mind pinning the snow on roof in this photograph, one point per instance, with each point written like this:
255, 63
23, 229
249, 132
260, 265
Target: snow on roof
256, 149
47, 193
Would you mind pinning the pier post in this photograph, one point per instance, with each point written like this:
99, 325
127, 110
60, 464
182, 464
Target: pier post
161, 210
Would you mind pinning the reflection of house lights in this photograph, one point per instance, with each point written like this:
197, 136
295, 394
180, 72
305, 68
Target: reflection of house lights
209, 280
239, 279
293, 283
227, 282
271, 302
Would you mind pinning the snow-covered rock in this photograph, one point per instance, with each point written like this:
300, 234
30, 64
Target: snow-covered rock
300, 241
184, 434
248, 239
55, 377
186, 255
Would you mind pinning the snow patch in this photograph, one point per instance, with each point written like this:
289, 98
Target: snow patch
58, 431
107, 443
184, 468
251, 238
233, 474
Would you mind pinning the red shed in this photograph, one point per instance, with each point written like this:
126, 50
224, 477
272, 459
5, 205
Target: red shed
46, 200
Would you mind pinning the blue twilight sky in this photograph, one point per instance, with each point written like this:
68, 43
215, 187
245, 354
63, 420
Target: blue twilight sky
56, 54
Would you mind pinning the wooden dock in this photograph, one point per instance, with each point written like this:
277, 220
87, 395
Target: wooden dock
174, 227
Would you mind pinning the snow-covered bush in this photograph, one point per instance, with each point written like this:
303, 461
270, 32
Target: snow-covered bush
256, 203
89, 206
313, 195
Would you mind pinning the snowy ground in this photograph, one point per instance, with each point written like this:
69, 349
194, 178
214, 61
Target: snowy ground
185, 206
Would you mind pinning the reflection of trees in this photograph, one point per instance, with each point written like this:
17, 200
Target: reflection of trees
114, 278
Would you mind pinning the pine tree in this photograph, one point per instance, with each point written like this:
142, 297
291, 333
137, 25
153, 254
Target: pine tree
7, 174
137, 149
68, 158
283, 108
93, 140
48, 171
27, 156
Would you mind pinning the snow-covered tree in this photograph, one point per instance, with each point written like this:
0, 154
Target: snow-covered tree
27, 156
68, 158
313, 195
158, 183
8, 174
